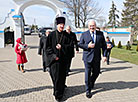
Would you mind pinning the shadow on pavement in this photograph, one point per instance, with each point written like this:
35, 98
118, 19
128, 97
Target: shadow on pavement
119, 62
80, 70
33, 47
5, 61
73, 91
120, 85
76, 71
114, 69
99, 87
76, 90
33, 70
23, 91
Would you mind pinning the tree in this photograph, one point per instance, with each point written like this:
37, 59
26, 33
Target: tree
130, 16
130, 13
89, 10
137, 47
72, 5
119, 45
113, 42
113, 16
34, 27
82, 11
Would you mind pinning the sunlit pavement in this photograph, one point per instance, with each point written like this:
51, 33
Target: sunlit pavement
117, 83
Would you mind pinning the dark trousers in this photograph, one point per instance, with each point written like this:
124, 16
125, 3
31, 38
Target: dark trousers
108, 56
58, 75
92, 71
68, 65
44, 59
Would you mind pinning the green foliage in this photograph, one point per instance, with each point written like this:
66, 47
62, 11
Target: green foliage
128, 46
33, 27
113, 16
129, 14
119, 45
113, 42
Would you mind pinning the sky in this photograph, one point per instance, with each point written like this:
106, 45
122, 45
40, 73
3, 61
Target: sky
43, 16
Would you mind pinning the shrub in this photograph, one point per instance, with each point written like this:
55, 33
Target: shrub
113, 42
137, 47
119, 45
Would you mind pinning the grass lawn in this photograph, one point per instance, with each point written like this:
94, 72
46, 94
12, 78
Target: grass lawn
125, 55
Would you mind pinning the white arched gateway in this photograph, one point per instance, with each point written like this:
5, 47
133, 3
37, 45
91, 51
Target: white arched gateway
15, 18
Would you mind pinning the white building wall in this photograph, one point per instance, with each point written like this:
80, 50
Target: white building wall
1, 39
124, 38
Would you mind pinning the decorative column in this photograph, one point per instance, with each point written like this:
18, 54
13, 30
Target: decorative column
17, 28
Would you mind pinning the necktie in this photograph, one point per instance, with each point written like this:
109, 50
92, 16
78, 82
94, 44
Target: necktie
92, 37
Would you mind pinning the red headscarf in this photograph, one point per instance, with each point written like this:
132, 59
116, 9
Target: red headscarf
19, 40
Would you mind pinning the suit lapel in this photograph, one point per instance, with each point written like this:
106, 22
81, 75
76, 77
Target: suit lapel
89, 36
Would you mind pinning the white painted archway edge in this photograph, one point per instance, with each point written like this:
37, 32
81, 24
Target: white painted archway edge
15, 19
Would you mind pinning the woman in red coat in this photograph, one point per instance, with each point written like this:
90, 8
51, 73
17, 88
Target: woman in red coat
21, 57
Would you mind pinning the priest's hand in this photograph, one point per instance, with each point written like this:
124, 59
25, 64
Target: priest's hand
57, 58
58, 46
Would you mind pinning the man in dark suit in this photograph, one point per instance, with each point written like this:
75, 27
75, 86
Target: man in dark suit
57, 47
91, 42
74, 43
42, 49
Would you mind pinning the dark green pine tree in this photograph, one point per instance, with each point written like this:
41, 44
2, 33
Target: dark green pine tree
113, 16
130, 14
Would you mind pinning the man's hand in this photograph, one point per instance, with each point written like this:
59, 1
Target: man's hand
91, 45
58, 46
104, 59
57, 58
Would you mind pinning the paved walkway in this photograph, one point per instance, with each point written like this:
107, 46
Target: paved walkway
117, 83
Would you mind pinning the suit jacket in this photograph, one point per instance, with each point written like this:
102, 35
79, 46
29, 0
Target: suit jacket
74, 41
42, 48
90, 54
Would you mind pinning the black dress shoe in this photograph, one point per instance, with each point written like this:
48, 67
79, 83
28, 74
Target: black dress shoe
44, 70
88, 94
58, 99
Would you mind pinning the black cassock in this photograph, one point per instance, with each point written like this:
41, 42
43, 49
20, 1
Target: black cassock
58, 68
42, 50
